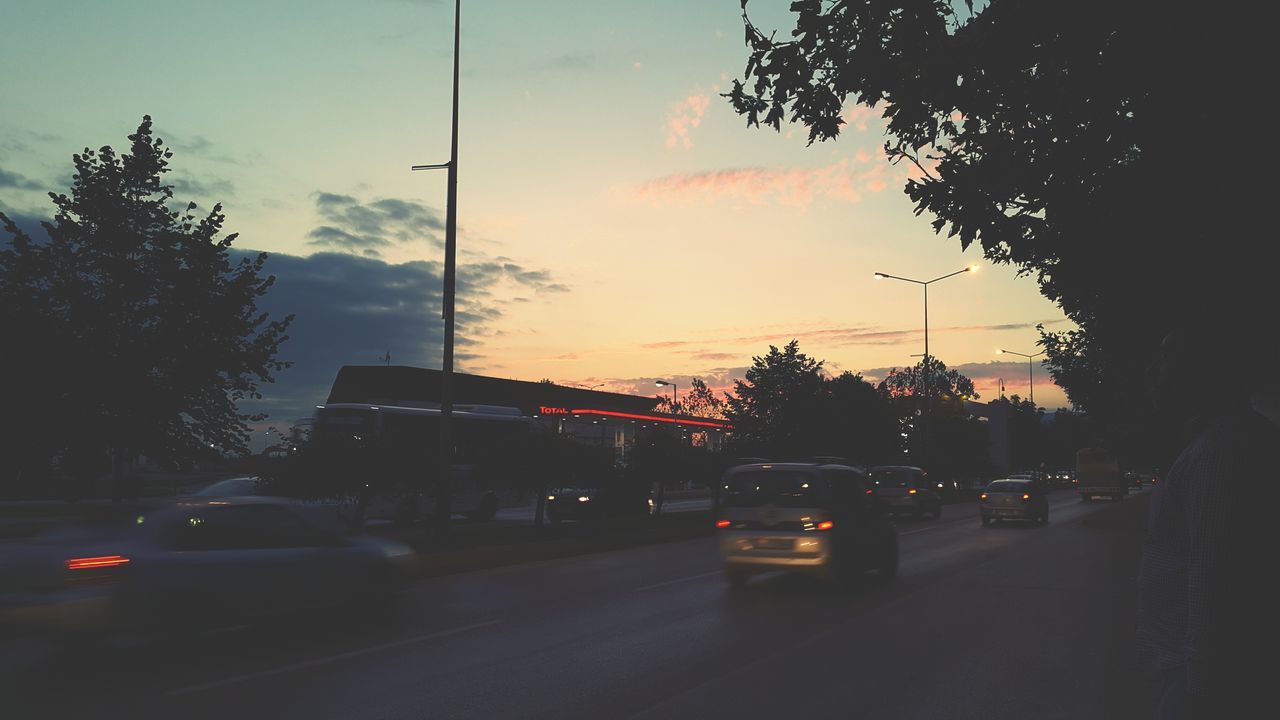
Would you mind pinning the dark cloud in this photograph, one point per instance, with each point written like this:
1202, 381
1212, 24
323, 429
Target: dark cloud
197, 145
26, 222
355, 226
354, 310
16, 181
211, 189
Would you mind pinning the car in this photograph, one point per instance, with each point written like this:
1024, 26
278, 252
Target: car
1013, 499
231, 487
814, 518
597, 505
196, 564
906, 489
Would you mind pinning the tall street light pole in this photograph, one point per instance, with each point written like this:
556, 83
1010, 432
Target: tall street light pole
675, 393
1030, 373
445, 460
928, 389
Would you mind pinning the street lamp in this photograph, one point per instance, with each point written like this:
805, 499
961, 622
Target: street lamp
445, 459
1030, 374
928, 390
675, 393
593, 387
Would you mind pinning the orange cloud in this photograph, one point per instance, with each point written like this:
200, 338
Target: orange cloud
788, 186
683, 117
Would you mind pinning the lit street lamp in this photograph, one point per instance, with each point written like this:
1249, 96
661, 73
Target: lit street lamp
675, 393
1030, 374
928, 390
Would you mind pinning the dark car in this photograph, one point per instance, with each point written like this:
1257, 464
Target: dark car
597, 505
231, 487
196, 564
906, 489
803, 517
1013, 499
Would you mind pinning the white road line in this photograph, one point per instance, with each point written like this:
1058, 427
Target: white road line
678, 580
325, 660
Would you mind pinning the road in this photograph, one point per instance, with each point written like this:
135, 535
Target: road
670, 506
1011, 621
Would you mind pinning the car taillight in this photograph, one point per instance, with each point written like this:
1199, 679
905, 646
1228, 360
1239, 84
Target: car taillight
1026, 496
101, 561
869, 491
826, 525
912, 491
723, 524
983, 496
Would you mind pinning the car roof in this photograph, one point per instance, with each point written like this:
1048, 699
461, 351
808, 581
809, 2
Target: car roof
896, 467
789, 466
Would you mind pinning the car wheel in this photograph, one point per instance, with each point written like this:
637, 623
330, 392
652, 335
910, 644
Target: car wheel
917, 513
1044, 517
736, 578
986, 521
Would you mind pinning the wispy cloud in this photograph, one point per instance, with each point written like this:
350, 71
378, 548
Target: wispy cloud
844, 181
369, 228
683, 117
17, 181
853, 335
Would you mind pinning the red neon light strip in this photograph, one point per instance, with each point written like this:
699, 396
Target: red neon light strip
631, 416
96, 562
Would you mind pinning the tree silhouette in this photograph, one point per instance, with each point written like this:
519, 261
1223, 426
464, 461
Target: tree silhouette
1046, 133
700, 401
131, 327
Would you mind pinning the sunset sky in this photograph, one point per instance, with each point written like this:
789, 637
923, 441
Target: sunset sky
618, 222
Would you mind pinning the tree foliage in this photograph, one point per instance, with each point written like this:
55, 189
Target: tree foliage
702, 402
937, 381
131, 327
1074, 141
786, 407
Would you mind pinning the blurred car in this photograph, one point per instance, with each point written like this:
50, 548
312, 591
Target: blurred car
803, 517
1013, 499
906, 489
1062, 477
596, 505
196, 564
1142, 478
231, 487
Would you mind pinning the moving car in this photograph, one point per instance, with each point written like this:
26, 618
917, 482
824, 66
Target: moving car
1013, 499
594, 505
906, 489
231, 487
196, 564
803, 517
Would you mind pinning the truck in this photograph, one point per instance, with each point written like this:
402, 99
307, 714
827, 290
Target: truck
1098, 473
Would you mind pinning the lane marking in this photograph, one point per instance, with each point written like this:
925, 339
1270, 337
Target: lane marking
678, 580
330, 659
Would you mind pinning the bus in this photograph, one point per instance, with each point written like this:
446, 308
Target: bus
392, 452
1098, 473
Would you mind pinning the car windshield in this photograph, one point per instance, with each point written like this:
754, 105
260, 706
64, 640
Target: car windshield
227, 488
1008, 486
782, 488
891, 477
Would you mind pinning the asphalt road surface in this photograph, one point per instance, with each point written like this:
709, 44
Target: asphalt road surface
669, 506
1010, 621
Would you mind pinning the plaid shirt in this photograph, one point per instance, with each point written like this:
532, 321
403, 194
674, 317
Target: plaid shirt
1202, 561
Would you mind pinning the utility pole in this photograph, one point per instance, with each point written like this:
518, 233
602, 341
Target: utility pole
445, 461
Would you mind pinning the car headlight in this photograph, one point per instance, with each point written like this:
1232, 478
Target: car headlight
583, 498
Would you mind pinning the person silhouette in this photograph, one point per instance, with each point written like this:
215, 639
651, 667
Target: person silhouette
1202, 587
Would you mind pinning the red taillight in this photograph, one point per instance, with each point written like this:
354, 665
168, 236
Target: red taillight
102, 561
1026, 496
983, 496
869, 491
826, 525
723, 524
912, 491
